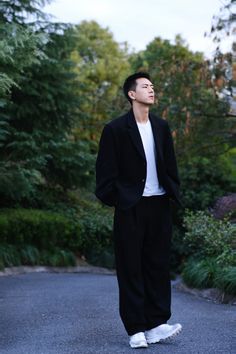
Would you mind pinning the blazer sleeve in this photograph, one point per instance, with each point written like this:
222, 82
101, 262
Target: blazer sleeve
106, 168
170, 159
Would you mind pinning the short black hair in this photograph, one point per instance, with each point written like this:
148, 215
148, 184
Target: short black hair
130, 83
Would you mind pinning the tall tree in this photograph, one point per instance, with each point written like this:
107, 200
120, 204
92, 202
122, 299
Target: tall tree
101, 64
37, 149
186, 98
20, 47
224, 63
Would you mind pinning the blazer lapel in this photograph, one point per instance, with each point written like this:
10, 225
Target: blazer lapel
134, 133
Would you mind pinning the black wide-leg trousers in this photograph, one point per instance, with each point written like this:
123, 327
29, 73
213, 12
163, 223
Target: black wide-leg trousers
142, 240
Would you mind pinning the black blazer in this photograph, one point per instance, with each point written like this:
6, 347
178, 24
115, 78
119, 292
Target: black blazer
121, 162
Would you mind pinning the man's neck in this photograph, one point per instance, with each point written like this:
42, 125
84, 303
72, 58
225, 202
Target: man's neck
141, 113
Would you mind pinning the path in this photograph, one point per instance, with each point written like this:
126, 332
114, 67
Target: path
43, 313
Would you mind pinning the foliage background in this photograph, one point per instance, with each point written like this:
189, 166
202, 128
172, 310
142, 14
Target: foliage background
59, 85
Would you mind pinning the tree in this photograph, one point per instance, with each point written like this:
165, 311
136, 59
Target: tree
20, 48
101, 64
224, 61
39, 108
186, 98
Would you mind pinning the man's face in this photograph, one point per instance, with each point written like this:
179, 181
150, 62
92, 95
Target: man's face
144, 92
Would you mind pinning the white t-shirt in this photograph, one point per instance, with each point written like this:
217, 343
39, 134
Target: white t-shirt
152, 186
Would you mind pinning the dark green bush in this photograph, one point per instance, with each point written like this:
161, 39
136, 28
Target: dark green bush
9, 256
212, 261
57, 258
51, 237
78, 223
30, 255
42, 229
200, 273
96, 224
104, 257
206, 236
204, 180
207, 273
225, 280
13, 255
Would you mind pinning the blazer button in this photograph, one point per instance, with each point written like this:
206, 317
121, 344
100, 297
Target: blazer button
143, 180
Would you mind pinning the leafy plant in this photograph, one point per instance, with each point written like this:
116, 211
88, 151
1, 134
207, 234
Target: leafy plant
207, 273
42, 229
225, 279
200, 273
9, 256
203, 181
206, 236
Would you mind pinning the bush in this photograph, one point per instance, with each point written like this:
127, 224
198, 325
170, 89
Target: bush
96, 225
13, 255
200, 273
225, 280
104, 258
207, 273
80, 224
213, 259
9, 256
57, 258
30, 255
206, 236
204, 180
42, 229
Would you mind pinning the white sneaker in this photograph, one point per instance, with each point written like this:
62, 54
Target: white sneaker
138, 340
163, 331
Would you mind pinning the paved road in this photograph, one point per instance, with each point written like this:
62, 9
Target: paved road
78, 314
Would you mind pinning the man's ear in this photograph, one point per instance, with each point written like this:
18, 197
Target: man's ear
131, 94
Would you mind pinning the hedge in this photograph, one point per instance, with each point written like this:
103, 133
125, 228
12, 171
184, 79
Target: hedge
42, 229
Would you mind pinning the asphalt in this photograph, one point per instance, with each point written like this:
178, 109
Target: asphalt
48, 313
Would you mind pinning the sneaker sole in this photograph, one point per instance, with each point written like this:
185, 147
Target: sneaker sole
172, 335
136, 346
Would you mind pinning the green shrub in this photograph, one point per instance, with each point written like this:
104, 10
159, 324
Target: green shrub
57, 258
204, 180
105, 257
13, 255
227, 258
30, 255
42, 229
207, 273
96, 225
225, 280
84, 227
9, 256
212, 261
200, 273
1, 264
206, 236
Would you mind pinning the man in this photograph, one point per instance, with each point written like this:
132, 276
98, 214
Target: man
136, 172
